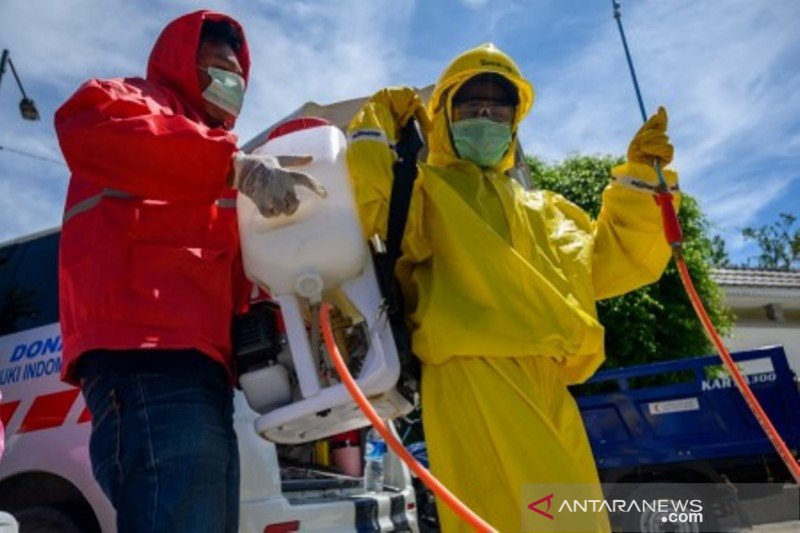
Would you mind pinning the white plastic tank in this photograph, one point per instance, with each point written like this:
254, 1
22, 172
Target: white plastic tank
323, 238
297, 257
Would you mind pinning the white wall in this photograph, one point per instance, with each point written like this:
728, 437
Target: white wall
754, 335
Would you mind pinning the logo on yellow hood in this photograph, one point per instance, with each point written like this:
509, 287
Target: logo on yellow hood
483, 59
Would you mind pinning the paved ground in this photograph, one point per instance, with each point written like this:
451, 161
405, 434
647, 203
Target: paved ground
780, 527
776, 513
770, 513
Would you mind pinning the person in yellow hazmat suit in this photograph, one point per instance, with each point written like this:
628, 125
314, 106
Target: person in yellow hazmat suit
500, 283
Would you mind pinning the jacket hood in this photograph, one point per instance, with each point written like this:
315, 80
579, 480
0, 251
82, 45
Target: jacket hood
174, 56
482, 59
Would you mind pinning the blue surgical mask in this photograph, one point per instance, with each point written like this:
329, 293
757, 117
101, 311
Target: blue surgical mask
481, 140
225, 91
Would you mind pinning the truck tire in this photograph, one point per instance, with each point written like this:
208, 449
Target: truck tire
653, 522
45, 520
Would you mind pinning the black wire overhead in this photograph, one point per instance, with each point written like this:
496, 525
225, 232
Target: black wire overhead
31, 155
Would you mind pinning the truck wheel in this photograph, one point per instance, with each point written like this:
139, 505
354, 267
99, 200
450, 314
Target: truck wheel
654, 522
45, 520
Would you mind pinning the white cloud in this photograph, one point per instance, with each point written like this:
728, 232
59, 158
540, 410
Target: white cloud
739, 203
320, 58
32, 202
474, 4
738, 206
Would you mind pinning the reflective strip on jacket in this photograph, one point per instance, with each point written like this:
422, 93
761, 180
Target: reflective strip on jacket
149, 252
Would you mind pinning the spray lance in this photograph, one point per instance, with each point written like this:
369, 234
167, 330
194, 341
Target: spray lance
674, 236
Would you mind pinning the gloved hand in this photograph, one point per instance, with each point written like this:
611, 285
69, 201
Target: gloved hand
403, 103
263, 179
651, 142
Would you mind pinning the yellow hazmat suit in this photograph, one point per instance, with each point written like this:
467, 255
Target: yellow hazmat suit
500, 286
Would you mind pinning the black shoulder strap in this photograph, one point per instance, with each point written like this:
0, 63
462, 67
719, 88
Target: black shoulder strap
405, 172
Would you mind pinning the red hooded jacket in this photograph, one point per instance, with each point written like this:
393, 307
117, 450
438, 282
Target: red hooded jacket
149, 254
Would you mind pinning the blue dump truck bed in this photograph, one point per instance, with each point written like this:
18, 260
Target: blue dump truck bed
640, 419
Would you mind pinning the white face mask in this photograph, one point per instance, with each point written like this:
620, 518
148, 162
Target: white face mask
225, 91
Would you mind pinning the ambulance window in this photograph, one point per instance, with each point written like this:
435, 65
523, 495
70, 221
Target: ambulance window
29, 284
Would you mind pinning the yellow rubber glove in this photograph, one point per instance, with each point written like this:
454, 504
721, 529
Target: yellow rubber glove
651, 141
403, 103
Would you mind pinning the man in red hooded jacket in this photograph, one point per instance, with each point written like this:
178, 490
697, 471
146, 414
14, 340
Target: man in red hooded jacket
150, 272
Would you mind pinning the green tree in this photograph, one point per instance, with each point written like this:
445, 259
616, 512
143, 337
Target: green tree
656, 322
719, 254
778, 242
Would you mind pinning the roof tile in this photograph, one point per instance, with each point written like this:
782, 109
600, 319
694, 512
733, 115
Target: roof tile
747, 277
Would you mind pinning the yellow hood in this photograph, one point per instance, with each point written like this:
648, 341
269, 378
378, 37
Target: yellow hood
482, 59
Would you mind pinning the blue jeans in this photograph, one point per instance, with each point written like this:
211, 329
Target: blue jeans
163, 448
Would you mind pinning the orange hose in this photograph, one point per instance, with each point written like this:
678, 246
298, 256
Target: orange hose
431, 482
741, 383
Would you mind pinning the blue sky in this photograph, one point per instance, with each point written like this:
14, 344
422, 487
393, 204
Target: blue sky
727, 71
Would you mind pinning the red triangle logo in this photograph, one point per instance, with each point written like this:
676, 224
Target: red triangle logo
547, 498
